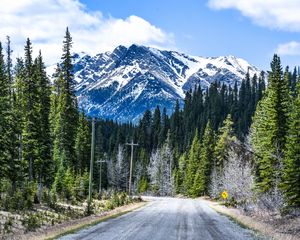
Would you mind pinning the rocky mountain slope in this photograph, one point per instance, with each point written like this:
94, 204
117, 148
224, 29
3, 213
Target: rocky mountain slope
122, 84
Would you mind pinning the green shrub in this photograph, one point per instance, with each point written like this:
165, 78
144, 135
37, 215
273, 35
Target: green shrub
8, 225
17, 198
31, 222
109, 205
143, 185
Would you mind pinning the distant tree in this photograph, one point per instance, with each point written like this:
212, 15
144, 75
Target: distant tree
156, 127
160, 171
119, 171
82, 144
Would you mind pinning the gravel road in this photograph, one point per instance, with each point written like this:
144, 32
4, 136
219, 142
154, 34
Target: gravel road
166, 218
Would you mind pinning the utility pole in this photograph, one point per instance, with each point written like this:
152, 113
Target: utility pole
131, 160
91, 164
100, 174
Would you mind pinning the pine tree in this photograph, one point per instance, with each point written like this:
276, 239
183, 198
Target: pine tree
260, 87
82, 144
269, 129
44, 164
164, 126
66, 117
175, 126
31, 129
58, 184
291, 171
14, 119
4, 113
19, 80
145, 134
202, 177
156, 126
8, 141
192, 164
181, 174
225, 137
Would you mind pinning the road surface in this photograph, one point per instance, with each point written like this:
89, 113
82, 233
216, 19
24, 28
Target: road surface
164, 219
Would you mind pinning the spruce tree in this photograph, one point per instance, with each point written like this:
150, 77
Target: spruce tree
156, 126
202, 177
192, 164
4, 114
164, 126
225, 137
31, 129
181, 174
66, 117
14, 120
291, 170
44, 164
176, 127
269, 129
82, 144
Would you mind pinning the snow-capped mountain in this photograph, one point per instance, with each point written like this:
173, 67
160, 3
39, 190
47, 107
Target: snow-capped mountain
122, 84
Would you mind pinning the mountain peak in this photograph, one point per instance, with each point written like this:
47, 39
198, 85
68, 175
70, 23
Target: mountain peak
122, 84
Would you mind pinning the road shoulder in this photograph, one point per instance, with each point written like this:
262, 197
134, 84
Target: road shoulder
250, 222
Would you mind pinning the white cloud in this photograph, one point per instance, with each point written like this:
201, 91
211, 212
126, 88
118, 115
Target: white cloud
44, 22
275, 14
290, 48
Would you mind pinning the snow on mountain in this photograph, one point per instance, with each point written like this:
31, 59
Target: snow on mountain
122, 84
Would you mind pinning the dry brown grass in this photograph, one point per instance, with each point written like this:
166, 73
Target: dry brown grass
75, 224
263, 225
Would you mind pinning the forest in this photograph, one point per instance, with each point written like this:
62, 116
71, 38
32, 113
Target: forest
243, 139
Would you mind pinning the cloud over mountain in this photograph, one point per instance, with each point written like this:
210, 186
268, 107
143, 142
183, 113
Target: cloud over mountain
44, 22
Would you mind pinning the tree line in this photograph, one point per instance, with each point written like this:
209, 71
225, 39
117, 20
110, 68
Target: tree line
252, 127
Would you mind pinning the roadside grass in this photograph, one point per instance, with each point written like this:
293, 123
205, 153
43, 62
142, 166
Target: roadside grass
79, 226
242, 223
261, 230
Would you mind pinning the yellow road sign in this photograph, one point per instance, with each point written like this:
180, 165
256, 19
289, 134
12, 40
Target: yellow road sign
224, 195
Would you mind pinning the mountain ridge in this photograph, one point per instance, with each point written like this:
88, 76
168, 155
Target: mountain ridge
122, 84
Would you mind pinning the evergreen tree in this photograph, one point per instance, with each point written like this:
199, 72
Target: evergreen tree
44, 165
260, 87
13, 127
269, 129
291, 171
192, 164
67, 112
31, 129
156, 127
175, 127
82, 144
164, 126
225, 137
181, 174
202, 177
19, 77
4, 115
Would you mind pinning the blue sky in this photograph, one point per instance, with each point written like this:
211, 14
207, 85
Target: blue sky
201, 30
252, 29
